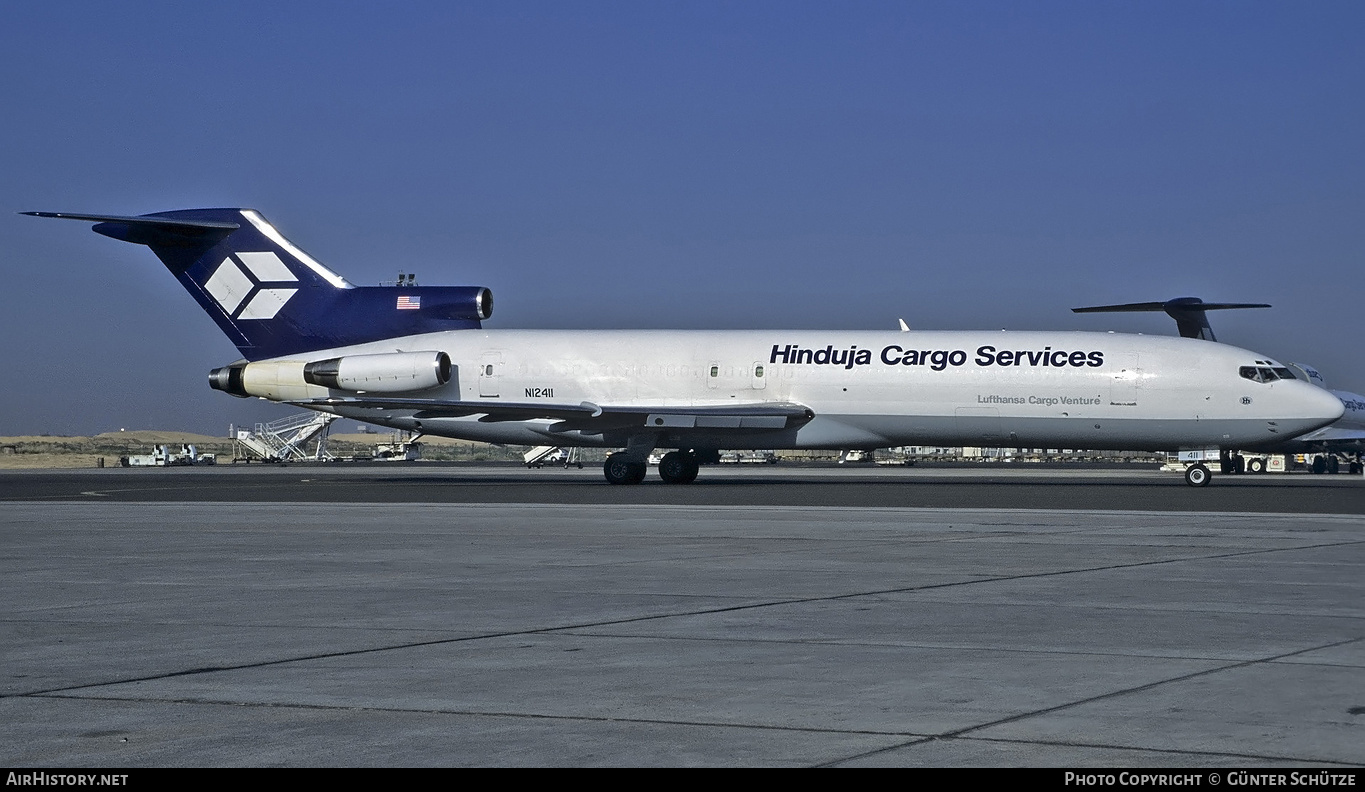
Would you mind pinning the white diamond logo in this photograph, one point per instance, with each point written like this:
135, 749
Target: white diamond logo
266, 266
228, 286
231, 287
266, 303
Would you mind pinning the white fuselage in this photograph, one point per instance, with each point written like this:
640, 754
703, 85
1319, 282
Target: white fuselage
866, 389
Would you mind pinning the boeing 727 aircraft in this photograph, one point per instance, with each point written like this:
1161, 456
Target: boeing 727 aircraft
418, 358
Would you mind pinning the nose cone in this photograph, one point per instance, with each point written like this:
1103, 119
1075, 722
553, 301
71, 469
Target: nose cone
1319, 407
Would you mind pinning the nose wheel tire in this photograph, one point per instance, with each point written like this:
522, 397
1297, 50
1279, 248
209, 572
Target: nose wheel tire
620, 470
1197, 476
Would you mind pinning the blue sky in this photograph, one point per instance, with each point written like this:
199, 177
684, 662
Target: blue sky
651, 164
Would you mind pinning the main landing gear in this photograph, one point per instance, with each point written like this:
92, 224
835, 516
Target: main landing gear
620, 469
676, 467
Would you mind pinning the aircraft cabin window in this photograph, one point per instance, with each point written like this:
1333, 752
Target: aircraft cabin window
1285, 373
715, 371
758, 371
1250, 372
1268, 375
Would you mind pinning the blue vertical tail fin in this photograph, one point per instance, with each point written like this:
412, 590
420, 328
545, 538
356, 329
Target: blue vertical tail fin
272, 299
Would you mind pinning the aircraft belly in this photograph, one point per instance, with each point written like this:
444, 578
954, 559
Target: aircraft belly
842, 431
981, 427
966, 427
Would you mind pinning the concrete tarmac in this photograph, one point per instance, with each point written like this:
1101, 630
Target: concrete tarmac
976, 486
172, 618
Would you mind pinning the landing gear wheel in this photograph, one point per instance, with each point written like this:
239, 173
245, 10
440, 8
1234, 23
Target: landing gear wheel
678, 468
1197, 475
1320, 464
1333, 465
620, 470
1256, 466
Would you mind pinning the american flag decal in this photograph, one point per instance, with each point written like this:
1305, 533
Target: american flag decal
409, 303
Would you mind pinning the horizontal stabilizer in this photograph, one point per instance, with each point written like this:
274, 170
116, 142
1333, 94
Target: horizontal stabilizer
151, 230
142, 220
1188, 313
1163, 306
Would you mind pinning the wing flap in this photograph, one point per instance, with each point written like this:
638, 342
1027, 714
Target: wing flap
435, 408
1333, 435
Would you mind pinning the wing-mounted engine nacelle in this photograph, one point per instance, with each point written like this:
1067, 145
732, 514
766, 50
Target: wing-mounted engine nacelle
393, 372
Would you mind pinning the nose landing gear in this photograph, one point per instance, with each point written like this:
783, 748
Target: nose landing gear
1198, 475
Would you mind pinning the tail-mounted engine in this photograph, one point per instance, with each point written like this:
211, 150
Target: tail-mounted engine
394, 372
391, 373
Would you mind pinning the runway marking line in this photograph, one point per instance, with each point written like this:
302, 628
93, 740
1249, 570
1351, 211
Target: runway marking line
1112, 694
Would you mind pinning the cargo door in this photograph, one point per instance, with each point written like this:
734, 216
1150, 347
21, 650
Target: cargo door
1126, 386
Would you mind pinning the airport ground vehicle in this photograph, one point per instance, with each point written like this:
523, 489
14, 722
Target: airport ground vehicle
166, 456
554, 456
756, 457
1319, 463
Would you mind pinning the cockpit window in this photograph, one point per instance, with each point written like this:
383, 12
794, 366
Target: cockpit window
1256, 374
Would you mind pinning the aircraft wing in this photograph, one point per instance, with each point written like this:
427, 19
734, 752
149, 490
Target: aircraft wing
1330, 436
592, 418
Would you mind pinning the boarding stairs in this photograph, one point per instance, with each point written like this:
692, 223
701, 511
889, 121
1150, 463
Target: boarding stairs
551, 455
288, 438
